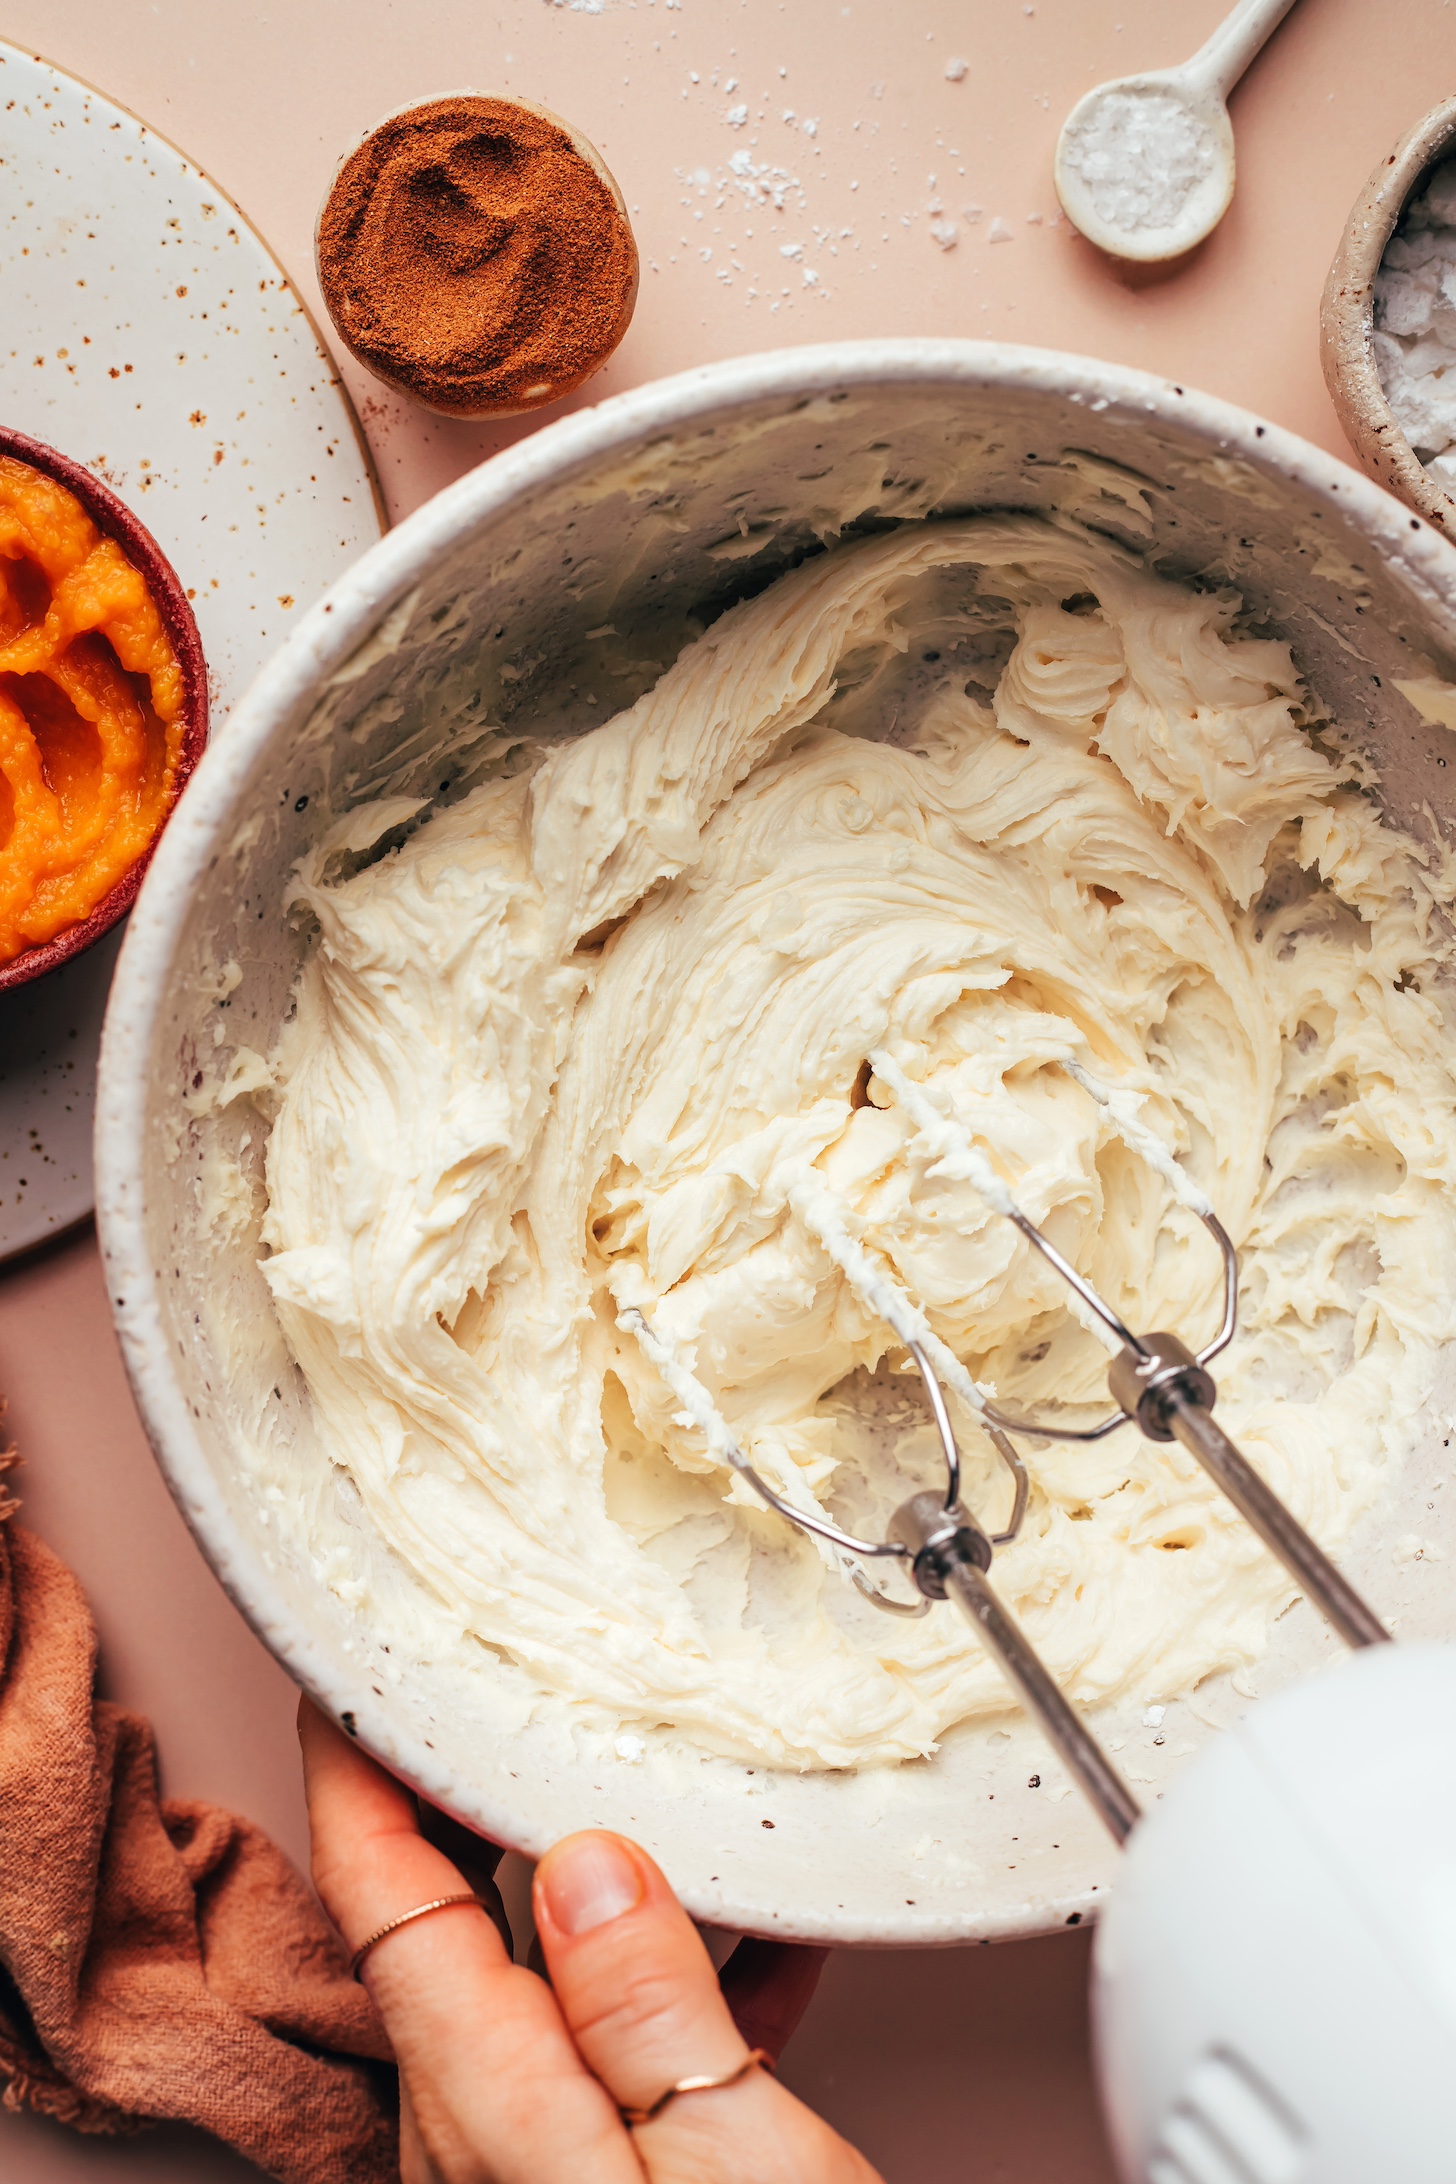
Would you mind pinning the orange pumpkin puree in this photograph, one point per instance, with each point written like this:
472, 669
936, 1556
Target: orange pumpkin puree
91, 711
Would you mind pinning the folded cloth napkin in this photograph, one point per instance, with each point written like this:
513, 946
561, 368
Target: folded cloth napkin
160, 1958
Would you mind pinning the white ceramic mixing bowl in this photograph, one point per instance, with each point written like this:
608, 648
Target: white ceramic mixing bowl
645, 517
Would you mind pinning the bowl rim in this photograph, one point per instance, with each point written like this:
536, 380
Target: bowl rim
1347, 319
114, 519
323, 640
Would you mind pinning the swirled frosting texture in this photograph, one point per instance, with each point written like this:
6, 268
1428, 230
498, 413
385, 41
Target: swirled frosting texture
571, 1040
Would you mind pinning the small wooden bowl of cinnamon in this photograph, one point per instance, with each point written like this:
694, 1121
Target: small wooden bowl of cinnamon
475, 253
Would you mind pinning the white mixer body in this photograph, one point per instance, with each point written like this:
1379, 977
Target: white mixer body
1274, 1984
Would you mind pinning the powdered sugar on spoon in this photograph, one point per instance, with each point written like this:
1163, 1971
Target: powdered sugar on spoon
1145, 164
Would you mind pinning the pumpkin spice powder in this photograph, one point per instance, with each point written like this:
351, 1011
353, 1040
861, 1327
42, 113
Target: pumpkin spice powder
474, 255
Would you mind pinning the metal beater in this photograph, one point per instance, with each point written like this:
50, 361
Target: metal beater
1155, 1381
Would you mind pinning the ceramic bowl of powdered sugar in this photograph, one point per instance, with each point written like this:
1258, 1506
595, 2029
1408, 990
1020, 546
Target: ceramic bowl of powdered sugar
561, 904
1388, 320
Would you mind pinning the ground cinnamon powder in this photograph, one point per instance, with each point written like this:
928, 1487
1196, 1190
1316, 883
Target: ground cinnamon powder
473, 256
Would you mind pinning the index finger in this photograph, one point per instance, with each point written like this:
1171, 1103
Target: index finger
495, 2085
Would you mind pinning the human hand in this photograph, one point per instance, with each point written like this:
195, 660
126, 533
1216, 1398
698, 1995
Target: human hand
506, 2080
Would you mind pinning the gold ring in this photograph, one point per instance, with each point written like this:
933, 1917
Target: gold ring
406, 1918
756, 2059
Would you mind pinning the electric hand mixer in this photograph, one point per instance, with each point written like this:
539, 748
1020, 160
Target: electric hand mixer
1275, 1980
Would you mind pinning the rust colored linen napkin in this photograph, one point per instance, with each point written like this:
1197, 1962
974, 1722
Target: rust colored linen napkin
159, 1958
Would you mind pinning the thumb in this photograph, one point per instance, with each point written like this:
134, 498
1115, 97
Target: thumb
642, 2003
632, 1979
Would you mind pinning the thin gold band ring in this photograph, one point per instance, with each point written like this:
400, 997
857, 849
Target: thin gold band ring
407, 1918
756, 2059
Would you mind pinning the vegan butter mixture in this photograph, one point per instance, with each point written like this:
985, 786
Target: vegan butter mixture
566, 1047
91, 712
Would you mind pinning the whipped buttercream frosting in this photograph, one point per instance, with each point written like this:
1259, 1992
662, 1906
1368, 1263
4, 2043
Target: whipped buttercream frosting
993, 798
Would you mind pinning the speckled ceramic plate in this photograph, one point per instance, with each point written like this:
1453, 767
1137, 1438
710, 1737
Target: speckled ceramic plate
148, 332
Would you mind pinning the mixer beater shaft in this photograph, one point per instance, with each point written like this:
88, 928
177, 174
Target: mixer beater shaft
951, 1556
1163, 1386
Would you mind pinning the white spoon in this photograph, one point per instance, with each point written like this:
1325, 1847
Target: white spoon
1145, 164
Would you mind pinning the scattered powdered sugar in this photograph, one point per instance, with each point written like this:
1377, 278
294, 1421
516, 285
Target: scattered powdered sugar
1415, 325
757, 181
1140, 156
750, 187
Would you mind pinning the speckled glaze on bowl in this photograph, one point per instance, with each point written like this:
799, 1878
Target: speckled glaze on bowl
115, 520
650, 514
1347, 319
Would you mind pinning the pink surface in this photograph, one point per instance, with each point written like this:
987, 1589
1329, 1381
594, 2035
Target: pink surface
986, 2049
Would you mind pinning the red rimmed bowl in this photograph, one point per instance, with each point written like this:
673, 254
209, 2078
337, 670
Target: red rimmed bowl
115, 520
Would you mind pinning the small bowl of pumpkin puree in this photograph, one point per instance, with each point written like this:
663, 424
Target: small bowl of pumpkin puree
103, 706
